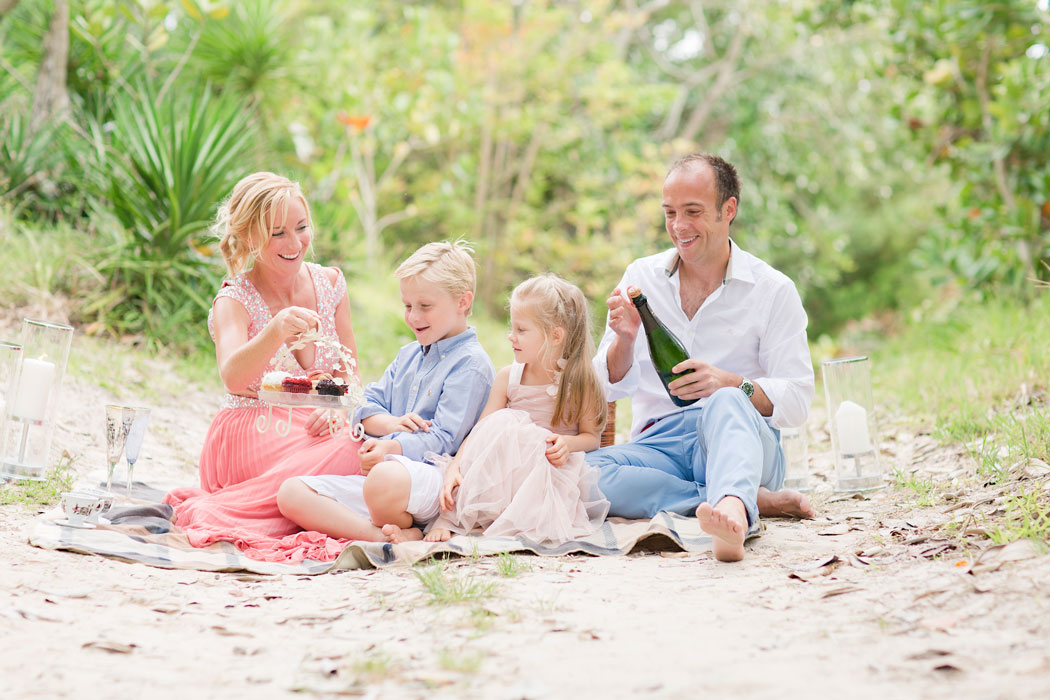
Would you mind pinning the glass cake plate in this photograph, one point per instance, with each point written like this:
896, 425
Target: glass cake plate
288, 398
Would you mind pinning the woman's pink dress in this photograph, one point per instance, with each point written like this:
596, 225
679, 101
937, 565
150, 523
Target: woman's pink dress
508, 486
241, 469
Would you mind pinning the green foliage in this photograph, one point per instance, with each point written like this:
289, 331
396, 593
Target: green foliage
170, 162
887, 150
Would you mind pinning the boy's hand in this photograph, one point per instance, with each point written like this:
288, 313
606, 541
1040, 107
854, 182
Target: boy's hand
557, 450
374, 450
452, 482
384, 424
410, 423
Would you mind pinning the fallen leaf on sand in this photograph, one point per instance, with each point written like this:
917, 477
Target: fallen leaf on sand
814, 564
942, 622
929, 654
997, 555
111, 647
840, 529
839, 590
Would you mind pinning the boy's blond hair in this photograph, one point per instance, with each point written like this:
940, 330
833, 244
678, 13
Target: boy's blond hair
446, 264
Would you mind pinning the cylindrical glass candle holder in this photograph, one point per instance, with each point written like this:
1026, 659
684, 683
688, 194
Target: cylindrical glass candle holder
794, 442
854, 438
10, 363
32, 405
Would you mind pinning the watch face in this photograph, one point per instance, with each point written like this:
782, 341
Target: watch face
747, 387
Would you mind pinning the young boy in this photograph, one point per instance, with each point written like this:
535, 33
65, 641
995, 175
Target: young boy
427, 401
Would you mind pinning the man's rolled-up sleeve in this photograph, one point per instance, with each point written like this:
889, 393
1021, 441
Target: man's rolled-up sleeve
786, 361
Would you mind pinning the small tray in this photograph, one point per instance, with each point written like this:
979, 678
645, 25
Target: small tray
287, 398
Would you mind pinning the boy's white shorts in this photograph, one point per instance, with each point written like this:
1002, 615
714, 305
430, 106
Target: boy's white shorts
425, 490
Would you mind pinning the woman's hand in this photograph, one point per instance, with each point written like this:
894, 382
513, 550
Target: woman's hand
452, 481
318, 423
293, 320
557, 449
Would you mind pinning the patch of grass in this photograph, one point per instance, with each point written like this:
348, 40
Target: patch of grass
481, 619
1027, 517
374, 667
925, 491
446, 589
510, 566
46, 492
463, 662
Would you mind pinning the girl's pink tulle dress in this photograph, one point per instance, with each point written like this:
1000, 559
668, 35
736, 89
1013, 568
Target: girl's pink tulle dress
509, 488
241, 469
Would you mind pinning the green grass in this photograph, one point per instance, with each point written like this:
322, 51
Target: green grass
447, 588
374, 667
976, 377
509, 565
462, 662
925, 491
46, 492
1027, 517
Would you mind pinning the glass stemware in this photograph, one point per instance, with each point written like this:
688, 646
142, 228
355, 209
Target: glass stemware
118, 424
140, 417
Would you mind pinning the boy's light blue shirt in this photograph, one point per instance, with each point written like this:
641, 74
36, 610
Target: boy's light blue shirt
446, 382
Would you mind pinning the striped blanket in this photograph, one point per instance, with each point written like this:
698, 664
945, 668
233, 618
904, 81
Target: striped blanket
133, 543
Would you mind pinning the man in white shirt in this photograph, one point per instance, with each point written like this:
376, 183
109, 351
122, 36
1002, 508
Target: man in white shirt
744, 328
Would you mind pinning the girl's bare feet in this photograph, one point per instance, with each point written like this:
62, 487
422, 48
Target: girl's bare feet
727, 525
397, 535
438, 534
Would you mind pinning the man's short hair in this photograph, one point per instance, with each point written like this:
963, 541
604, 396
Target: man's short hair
446, 264
727, 184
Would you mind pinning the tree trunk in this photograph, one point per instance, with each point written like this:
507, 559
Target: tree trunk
50, 100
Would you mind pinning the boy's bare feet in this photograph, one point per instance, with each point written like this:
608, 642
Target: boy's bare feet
727, 525
397, 535
438, 534
785, 503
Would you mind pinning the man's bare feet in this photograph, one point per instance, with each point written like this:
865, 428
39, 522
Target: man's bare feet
727, 525
438, 534
397, 535
785, 503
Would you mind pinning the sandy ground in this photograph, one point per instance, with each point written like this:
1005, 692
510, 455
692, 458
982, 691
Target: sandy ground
866, 601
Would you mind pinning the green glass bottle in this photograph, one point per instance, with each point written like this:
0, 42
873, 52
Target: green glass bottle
665, 349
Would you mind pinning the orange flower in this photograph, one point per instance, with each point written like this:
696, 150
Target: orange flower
962, 562
358, 124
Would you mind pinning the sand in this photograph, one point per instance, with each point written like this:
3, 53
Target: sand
868, 600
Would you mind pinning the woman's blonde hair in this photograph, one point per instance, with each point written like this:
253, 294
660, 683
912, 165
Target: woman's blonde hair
245, 218
553, 303
446, 264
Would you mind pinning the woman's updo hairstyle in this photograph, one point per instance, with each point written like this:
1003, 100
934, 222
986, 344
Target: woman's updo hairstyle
244, 220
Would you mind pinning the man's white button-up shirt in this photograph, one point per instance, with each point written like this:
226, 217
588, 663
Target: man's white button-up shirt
753, 325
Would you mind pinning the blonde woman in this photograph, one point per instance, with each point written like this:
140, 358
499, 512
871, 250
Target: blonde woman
270, 297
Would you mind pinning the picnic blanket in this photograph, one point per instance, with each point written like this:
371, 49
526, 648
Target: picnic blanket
141, 543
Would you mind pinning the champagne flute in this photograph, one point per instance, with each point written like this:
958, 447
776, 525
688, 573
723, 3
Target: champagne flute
140, 417
118, 423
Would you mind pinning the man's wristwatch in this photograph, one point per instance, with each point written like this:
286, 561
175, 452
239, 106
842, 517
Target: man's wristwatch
747, 387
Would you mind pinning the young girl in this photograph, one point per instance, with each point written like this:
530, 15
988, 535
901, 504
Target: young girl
521, 470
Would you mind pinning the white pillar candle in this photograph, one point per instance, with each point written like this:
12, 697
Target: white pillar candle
851, 420
30, 401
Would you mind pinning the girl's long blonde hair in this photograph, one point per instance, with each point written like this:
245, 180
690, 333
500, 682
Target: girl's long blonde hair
244, 219
553, 303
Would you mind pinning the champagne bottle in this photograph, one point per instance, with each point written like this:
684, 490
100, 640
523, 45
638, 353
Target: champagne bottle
665, 349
